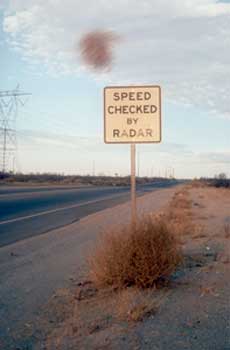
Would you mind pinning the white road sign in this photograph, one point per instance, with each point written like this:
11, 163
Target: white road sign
132, 114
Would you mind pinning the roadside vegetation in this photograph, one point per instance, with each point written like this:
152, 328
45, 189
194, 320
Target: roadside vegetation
220, 180
78, 180
139, 255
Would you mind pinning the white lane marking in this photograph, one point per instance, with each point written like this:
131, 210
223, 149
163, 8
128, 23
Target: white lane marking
56, 210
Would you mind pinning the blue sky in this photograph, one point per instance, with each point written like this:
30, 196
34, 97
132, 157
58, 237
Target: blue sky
182, 47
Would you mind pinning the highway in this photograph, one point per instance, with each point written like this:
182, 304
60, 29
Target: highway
30, 211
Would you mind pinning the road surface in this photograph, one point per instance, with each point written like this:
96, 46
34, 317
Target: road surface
30, 211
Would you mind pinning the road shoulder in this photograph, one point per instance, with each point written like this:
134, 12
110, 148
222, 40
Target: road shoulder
31, 270
191, 311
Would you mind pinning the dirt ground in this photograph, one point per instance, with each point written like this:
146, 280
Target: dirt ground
189, 311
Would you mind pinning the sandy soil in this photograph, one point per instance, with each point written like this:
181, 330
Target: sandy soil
190, 311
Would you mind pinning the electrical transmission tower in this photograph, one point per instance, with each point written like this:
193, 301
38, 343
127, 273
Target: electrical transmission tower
9, 103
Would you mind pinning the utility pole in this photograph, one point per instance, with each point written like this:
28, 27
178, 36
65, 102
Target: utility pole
93, 167
10, 100
166, 173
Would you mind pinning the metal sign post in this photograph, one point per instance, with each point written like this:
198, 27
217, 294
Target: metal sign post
133, 184
132, 114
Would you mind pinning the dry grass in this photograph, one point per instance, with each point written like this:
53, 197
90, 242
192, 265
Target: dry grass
134, 305
179, 215
197, 184
180, 223
181, 200
139, 256
199, 235
227, 231
199, 231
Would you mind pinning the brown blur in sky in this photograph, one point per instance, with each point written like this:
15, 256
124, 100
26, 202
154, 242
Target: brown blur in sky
96, 49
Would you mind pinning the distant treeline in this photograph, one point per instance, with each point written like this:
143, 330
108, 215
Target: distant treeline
47, 178
220, 180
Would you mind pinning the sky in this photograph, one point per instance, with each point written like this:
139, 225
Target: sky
181, 45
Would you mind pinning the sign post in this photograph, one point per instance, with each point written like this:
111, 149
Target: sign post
132, 114
133, 184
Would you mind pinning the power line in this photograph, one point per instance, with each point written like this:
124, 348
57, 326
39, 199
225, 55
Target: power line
10, 101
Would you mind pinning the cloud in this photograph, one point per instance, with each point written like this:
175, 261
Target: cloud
51, 140
183, 45
215, 157
49, 151
44, 139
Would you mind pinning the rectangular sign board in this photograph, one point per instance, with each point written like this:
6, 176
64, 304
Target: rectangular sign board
132, 114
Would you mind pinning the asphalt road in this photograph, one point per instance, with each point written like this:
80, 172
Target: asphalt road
30, 211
